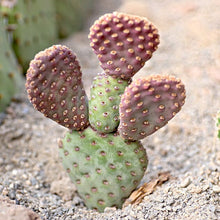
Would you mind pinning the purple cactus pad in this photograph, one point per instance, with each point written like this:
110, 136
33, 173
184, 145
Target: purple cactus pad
148, 104
123, 43
55, 88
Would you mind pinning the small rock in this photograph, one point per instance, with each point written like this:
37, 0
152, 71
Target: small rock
196, 189
109, 209
216, 189
170, 201
185, 182
14, 172
28, 182
12, 194
25, 176
205, 187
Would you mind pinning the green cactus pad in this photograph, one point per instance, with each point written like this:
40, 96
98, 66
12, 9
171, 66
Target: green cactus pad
105, 168
123, 43
10, 75
55, 88
148, 104
34, 23
104, 100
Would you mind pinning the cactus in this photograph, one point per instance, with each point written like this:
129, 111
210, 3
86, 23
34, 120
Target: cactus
105, 95
71, 15
10, 77
105, 159
123, 43
218, 124
148, 104
35, 26
105, 168
55, 88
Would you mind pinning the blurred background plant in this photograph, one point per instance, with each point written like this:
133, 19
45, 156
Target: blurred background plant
218, 124
28, 26
10, 73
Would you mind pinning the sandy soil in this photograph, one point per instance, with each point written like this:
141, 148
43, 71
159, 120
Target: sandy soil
30, 171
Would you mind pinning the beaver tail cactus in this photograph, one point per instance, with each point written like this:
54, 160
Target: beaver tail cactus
105, 96
55, 88
148, 104
123, 43
105, 168
102, 153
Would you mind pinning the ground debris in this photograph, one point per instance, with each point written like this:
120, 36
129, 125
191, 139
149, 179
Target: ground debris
146, 189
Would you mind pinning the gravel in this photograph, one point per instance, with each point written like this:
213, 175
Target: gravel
31, 174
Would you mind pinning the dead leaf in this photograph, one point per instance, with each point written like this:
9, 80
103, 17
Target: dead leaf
146, 189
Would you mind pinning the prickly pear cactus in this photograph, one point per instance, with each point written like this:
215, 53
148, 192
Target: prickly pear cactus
123, 43
105, 96
148, 104
55, 88
105, 160
10, 77
105, 168
34, 26
218, 124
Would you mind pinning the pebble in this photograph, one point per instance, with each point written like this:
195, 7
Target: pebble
216, 189
196, 189
205, 187
170, 201
12, 194
28, 182
109, 209
185, 182
25, 176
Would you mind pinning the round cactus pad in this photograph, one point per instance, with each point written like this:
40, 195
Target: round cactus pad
55, 88
123, 43
148, 104
105, 168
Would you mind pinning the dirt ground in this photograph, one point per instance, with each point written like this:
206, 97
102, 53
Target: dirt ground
31, 174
